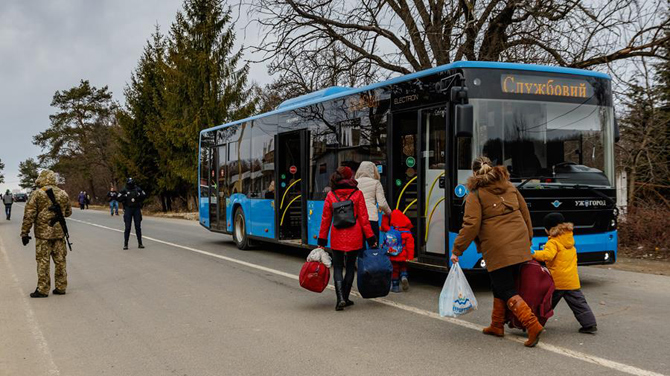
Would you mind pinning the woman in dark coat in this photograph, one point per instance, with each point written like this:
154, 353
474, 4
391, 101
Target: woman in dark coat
497, 219
345, 242
82, 200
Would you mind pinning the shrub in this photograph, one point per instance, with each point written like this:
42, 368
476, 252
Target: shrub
644, 232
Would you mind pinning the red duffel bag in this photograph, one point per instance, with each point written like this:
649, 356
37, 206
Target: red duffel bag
314, 276
536, 286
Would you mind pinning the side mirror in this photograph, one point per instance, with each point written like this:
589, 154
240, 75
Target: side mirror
464, 120
617, 131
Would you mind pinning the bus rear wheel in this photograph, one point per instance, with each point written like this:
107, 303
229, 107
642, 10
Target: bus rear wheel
240, 230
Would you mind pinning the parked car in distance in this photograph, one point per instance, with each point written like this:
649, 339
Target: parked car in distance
20, 197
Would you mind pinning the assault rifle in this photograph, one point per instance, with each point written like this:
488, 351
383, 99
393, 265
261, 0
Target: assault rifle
59, 218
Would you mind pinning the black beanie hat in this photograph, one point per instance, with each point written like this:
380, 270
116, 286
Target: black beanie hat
552, 220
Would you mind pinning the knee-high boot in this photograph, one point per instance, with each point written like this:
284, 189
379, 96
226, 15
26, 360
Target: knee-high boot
497, 327
346, 290
523, 312
340, 296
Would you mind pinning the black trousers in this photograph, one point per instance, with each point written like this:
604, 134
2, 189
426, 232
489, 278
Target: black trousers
130, 215
577, 303
502, 282
340, 259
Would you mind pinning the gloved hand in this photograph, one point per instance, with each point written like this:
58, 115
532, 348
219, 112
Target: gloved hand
25, 239
52, 208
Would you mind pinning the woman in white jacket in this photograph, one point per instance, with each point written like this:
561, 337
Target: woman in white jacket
369, 184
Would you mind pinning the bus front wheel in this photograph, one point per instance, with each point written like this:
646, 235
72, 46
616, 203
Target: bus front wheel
240, 230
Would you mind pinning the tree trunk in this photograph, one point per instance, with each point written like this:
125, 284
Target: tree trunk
163, 202
631, 187
92, 187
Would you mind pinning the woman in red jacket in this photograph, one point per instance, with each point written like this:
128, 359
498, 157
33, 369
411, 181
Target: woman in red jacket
345, 241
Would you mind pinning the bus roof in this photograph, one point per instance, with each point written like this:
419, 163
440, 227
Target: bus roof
337, 91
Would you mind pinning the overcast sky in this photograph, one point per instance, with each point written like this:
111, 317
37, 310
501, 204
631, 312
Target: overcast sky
49, 45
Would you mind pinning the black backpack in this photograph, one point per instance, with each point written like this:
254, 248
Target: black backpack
343, 212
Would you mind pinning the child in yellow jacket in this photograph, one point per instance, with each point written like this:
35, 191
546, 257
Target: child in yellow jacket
560, 256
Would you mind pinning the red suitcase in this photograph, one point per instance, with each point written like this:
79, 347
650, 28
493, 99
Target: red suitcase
314, 276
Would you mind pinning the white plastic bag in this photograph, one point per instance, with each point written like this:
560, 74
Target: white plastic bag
320, 255
456, 297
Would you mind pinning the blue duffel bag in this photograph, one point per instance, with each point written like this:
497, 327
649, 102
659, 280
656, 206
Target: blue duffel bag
374, 273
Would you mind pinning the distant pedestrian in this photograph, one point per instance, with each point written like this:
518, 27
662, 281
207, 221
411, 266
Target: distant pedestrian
497, 219
560, 256
113, 198
49, 239
132, 197
345, 241
88, 199
82, 200
8, 200
368, 177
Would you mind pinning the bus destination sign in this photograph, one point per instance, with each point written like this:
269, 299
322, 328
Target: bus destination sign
543, 85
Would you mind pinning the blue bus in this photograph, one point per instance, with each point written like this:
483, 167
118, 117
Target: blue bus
264, 178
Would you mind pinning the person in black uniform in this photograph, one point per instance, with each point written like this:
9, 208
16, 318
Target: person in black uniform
132, 197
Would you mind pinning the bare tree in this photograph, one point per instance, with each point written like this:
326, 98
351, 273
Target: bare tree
645, 141
401, 36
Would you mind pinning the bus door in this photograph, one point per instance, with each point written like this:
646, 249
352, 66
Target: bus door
434, 152
211, 185
221, 186
404, 169
290, 202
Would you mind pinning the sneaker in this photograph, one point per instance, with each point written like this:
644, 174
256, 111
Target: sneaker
59, 292
395, 285
140, 246
125, 247
589, 330
38, 294
404, 282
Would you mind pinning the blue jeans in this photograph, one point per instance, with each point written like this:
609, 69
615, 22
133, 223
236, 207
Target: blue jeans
114, 207
8, 210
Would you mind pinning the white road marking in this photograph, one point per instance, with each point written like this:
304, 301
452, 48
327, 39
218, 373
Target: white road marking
632, 370
42, 343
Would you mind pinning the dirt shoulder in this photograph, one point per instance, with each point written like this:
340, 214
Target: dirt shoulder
189, 216
658, 267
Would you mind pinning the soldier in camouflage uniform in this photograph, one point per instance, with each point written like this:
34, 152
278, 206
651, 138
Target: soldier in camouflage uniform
49, 240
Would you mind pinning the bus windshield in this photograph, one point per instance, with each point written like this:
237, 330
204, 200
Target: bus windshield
547, 143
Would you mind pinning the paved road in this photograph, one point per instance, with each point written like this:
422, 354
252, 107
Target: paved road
192, 304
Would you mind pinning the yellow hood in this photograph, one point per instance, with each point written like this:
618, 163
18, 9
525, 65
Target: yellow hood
566, 239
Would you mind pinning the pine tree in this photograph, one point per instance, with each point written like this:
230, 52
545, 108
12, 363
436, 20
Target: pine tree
28, 173
206, 85
137, 157
2, 168
79, 143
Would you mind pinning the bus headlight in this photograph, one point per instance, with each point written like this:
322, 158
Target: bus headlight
613, 224
482, 264
607, 256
